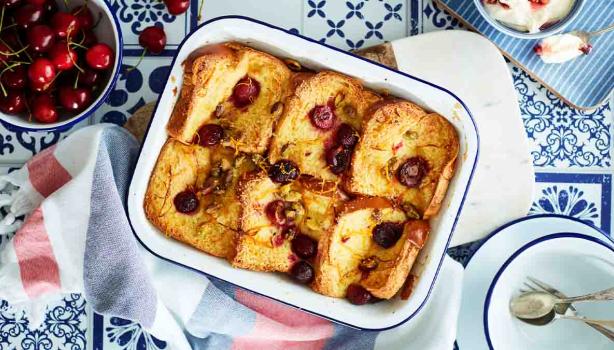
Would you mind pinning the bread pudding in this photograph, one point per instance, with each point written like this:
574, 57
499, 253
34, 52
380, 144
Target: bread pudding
281, 169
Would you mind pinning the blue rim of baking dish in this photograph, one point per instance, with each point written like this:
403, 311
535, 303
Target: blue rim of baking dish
516, 254
103, 97
475, 160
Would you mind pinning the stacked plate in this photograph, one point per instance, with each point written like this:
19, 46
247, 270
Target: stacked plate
574, 257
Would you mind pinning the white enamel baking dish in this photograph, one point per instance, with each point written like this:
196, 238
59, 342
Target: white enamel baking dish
279, 42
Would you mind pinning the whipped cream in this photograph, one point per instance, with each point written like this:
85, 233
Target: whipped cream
528, 15
561, 48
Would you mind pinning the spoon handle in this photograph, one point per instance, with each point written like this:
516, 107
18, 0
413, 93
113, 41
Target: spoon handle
604, 323
607, 294
601, 329
603, 30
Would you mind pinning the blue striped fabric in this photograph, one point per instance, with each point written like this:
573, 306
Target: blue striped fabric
583, 82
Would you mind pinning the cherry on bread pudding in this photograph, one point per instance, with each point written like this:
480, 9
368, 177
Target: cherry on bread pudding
358, 295
387, 234
283, 172
276, 212
338, 159
209, 135
302, 272
245, 92
304, 246
186, 202
323, 116
412, 171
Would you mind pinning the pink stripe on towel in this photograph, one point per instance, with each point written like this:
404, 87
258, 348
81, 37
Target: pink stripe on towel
46, 174
278, 326
37, 266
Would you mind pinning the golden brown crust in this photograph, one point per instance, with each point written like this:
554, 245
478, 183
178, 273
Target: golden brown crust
209, 80
296, 139
410, 131
180, 167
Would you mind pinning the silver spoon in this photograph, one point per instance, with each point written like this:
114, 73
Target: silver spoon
538, 304
587, 36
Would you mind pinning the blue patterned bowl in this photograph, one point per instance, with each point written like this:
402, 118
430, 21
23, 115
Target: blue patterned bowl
554, 29
108, 31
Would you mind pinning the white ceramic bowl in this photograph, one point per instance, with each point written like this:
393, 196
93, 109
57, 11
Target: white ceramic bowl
575, 264
108, 32
317, 56
554, 29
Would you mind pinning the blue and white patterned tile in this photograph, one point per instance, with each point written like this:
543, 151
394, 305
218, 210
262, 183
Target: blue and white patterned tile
136, 15
285, 14
354, 24
114, 333
134, 88
560, 136
431, 18
63, 328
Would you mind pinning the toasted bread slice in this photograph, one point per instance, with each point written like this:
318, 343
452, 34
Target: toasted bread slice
395, 263
396, 132
264, 246
212, 174
347, 244
297, 139
211, 75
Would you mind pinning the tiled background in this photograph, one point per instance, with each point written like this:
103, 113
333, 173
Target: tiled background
571, 149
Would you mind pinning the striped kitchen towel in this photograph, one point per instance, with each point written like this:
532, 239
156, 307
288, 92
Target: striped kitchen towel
76, 238
584, 82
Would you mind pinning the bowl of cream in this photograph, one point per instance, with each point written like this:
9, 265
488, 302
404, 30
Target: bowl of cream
529, 19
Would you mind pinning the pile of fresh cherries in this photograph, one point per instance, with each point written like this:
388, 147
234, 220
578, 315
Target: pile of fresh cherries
52, 60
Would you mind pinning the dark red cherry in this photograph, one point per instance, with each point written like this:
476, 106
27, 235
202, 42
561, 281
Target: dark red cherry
10, 4
75, 100
412, 171
99, 56
41, 71
304, 246
186, 202
86, 38
276, 212
14, 78
338, 159
210, 135
347, 136
368, 264
357, 295
323, 116
84, 16
283, 172
43, 108
28, 15
62, 57
40, 38
13, 103
38, 87
177, 7
387, 234
586, 48
64, 24
302, 272
245, 92
89, 78
36, 2
50, 7
153, 39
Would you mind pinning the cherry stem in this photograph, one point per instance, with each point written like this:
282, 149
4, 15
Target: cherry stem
14, 53
2, 18
200, 10
72, 59
20, 43
76, 80
97, 21
130, 69
2, 28
66, 4
78, 45
10, 67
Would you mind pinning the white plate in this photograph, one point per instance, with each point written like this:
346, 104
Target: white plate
531, 238
576, 264
317, 56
